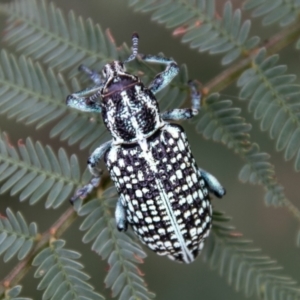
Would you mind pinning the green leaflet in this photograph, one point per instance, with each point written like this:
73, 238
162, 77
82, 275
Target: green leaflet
202, 29
13, 293
245, 267
118, 248
16, 236
274, 101
221, 122
38, 172
272, 11
39, 20
31, 95
62, 275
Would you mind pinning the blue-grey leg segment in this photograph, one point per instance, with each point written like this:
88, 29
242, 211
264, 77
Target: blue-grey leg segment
86, 100
185, 113
164, 78
120, 215
94, 76
213, 184
92, 165
135, 45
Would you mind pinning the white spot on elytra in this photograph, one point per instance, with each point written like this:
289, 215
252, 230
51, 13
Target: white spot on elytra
201, 195
139, 214
161, 231
140, 176
121, 162
187, 214
148, 220
179, 174
116, 171
193, 232
201, 245
199, 230
139, 193
156, 219
129, 168
168, 244
182, 201
180, 145
194, 177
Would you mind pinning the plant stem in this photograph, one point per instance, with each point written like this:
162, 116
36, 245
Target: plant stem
273, 45
224, 79
56, 230
276, 43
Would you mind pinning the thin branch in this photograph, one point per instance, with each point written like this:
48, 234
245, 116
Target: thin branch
273, 45
56, 230
224, 79
276, 43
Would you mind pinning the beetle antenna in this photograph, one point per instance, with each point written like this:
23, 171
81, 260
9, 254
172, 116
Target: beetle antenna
135, 43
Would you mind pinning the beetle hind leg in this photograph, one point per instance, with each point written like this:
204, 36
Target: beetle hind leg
120, 215
213, 184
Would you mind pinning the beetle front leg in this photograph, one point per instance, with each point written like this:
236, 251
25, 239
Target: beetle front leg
86, 100
164, 78
94, 76
120, 215
92, 165
213, 184
185, 113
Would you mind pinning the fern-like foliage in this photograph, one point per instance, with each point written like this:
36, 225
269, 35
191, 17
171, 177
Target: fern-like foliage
259, 170
36, 20
31, 96
34, 97
35, 172
246, 267
16, 236
221, 122
203, 29
274, 101
13, 293
62, 274
120, 250
283, 11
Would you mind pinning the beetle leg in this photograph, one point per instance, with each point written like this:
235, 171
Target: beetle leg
185, 113
92, 165
120, 215
85, 100
94, 76
164, 78
213, 184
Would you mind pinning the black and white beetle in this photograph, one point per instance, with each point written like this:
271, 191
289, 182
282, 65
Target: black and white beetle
162, 192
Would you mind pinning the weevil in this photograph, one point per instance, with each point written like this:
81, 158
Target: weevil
163, 194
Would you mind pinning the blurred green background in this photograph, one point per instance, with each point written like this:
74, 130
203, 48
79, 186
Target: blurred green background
272, 229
